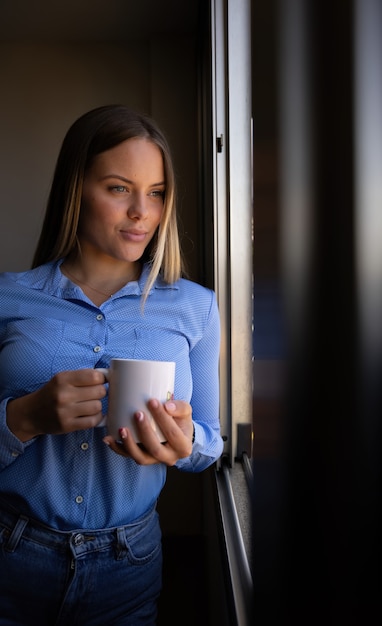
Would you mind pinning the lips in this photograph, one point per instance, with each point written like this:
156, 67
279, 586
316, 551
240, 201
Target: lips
134, 235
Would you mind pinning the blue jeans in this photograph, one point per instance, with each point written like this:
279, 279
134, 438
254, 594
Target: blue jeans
107, 577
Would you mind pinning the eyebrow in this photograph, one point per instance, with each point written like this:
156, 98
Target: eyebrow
131, 182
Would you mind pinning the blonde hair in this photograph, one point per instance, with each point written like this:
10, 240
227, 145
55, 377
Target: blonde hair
94, 132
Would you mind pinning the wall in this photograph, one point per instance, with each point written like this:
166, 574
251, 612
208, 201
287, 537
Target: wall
45, 87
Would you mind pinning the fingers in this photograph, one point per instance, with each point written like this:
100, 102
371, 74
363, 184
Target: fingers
129, 448
81, 378
70, 401
177, 408
177, 430
182, 414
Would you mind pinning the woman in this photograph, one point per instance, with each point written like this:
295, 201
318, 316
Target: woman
78, 526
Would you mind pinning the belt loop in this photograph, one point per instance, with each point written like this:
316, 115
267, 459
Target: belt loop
16, 534
121, 547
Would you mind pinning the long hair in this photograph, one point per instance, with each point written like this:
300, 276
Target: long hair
94, 132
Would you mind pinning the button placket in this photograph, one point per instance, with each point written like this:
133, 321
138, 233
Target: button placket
98, 332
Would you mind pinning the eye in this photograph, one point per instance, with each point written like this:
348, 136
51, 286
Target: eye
158, 193
118, 188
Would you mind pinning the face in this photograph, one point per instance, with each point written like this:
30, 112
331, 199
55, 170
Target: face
122, 201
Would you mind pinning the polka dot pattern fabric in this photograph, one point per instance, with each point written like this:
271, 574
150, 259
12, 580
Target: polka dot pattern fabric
48, 325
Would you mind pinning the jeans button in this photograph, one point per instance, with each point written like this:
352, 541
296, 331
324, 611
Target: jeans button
78, 539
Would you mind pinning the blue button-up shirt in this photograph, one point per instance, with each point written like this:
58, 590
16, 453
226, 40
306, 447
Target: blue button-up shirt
48, 325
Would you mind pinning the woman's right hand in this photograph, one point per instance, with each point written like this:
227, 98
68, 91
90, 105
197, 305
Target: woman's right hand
70, 401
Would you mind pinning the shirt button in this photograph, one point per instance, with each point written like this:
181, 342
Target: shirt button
99, 317
15, 453
84, 446
79, 499
96, 348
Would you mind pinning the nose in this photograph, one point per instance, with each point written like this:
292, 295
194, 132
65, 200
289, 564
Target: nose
138, 209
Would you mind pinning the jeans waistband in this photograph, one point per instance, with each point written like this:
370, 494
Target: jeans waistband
78, 541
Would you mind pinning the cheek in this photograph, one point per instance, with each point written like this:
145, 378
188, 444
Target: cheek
158, 215
93, 214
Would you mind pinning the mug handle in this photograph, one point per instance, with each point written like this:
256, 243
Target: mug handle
105, 371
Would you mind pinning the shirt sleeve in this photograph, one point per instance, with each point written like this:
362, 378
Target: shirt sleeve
10, 446
204, 360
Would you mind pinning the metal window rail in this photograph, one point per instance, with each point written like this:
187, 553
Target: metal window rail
240, 577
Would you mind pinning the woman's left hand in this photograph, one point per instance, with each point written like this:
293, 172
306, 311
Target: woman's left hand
174, 418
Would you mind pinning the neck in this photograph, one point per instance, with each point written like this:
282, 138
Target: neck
100, 279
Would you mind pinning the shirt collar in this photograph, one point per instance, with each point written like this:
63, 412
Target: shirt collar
49, 278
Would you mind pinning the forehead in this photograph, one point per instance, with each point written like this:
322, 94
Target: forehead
136, 152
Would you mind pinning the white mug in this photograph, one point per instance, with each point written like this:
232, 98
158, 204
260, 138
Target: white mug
132, 383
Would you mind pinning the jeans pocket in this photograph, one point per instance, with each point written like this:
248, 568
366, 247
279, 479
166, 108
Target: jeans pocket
145, 545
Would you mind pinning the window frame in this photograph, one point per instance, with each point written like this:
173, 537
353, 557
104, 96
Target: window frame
233, 210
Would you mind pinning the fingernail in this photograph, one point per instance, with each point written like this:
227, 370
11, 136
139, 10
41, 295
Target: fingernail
170, 406
106, 442
154, 403
122, 433
139, 416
